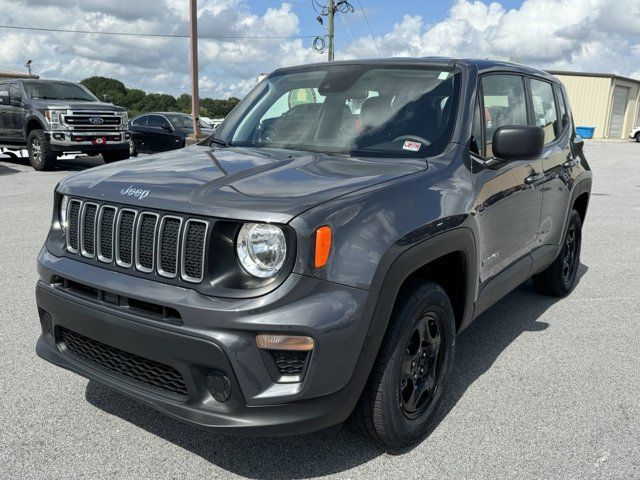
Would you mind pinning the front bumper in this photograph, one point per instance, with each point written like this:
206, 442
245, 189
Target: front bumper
218, 335
64, 140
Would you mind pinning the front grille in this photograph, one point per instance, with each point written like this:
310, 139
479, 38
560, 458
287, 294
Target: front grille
92, 121
149, 242
123, 363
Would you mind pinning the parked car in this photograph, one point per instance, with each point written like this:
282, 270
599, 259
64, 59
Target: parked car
284, 276
51, 118
635, 133
211, 123
160, 131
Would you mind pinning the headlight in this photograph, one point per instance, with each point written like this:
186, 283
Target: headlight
261, 249
64, 204
54, 118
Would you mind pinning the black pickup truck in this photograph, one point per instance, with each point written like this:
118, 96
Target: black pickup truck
50, 118
308, 264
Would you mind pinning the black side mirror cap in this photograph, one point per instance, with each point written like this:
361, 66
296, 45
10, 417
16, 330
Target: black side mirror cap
517, 142
166, 126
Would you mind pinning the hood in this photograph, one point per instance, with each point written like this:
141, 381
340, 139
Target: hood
240, 183
75, 105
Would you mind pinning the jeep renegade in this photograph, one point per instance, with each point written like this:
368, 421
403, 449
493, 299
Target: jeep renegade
315, 260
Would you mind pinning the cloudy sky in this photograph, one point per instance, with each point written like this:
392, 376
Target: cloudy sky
592, 35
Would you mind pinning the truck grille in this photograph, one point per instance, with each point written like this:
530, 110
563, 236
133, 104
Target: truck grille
123, 363
88, 121
148, 242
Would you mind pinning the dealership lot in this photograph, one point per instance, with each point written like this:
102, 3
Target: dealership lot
543, 388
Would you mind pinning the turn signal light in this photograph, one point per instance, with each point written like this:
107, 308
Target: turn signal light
323, 246
269, 341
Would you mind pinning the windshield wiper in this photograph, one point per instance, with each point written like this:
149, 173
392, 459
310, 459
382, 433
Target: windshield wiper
219, 141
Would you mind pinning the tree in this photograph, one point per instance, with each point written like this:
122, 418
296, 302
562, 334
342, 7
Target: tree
136, 101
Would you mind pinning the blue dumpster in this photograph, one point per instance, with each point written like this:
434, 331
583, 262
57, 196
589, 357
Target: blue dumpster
585, 132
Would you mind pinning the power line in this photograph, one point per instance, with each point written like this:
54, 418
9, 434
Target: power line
375, 42
162, 35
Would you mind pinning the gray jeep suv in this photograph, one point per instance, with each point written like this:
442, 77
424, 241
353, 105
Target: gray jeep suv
315, 260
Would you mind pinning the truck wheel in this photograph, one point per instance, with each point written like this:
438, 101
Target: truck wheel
133, 148
637, 137
560, 277
115, 155
40, 155
413, 369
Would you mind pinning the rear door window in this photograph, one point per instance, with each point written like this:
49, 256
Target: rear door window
544, 109
157, 121
504, 104
141, 121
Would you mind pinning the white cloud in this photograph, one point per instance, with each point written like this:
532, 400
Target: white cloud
597, 35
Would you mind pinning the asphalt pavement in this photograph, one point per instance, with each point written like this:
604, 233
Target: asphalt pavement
544, 388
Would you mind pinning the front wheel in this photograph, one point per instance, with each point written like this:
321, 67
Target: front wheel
41, 157
115, 155
133, 148
637, 137
560, 277
413, 370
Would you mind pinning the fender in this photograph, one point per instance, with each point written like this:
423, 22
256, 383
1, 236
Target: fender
32, 118
388, 281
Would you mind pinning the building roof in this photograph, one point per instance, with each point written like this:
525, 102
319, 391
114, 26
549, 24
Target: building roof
593, 74
14, 74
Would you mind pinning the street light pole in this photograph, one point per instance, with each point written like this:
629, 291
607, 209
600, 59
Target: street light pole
331, 9
195, 99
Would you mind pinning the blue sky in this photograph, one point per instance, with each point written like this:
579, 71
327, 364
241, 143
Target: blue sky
582, 35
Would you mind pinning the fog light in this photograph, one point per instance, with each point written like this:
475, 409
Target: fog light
219, 386
297, 343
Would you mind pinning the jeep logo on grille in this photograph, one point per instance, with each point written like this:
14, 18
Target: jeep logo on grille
138, 193
96, 121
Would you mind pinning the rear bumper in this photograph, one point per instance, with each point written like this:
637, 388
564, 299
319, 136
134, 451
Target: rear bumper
257, 406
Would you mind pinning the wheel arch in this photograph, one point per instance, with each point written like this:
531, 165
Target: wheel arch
448, 259
32, 124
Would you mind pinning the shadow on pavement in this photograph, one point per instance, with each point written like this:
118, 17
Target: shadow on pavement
328, 453
80, 162
4, 170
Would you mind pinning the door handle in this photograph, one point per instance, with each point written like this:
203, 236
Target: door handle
531, 179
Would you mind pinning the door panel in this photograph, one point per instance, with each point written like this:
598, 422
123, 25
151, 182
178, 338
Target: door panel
4, 128
14, 116
508, 200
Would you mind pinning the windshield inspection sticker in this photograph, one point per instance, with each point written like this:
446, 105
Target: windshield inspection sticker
411, 146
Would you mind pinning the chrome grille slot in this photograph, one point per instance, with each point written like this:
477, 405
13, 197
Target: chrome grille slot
73, 228
124, 237
168, 246
106, 231
88, 229
193, 243
146, 241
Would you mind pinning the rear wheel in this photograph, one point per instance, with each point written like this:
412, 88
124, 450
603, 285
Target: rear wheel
560, 277
413, 369
637, 137
41, 156
115, 155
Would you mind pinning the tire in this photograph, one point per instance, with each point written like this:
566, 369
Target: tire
560, 277
133, 148
637, 137
395, 408
41, 157
115, 155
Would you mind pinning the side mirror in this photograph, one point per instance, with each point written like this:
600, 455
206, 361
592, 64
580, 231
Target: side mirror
107, 98
517, 142
166, 126
4, 99
15, 102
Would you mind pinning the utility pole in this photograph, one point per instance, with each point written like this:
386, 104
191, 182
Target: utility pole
195, 99
331, 9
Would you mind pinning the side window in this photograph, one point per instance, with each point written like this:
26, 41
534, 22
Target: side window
476, 131
156, 121
4, 92
544, 109
504, 104
15, 93
564, 116
141, 121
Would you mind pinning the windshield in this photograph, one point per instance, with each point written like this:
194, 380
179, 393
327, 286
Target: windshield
57, 91
367, 110
181, 121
